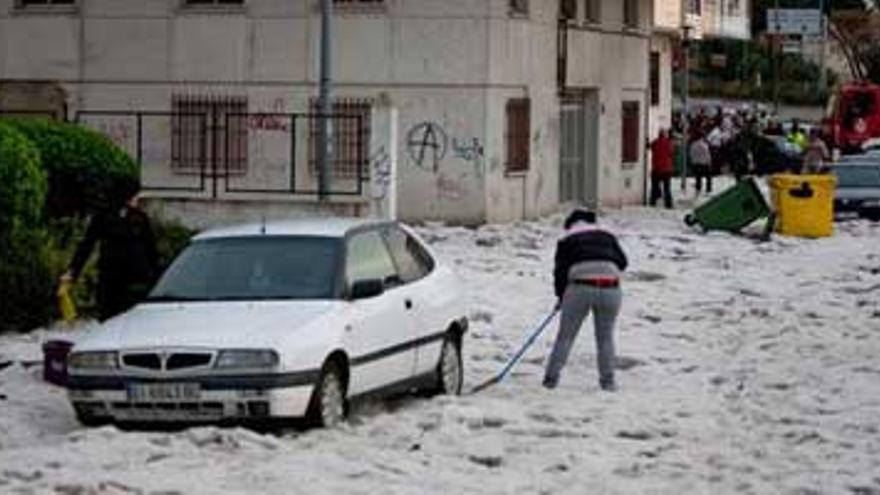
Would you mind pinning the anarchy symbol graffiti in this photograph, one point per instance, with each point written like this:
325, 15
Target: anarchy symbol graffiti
427, 143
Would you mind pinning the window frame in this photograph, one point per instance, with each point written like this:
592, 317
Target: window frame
213, 6
350, 159
630, 151
518, 125
518, 8
47, 6
654, 77
632, 14
593, 11
360, 6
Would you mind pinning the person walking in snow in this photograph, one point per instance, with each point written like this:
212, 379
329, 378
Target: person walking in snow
586, 278
128, 259
662, 152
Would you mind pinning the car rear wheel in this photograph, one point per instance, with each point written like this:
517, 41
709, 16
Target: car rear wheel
328, 404
450, 374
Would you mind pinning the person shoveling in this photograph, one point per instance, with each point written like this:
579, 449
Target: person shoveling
586, 278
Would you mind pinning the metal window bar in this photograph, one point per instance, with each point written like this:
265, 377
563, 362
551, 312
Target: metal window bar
351, 137
200, 128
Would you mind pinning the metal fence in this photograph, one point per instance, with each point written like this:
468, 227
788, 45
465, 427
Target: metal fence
227, 153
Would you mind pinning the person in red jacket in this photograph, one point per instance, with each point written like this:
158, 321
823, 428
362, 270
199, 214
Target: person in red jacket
661, 168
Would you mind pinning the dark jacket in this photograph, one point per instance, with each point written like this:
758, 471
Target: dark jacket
128, 249
588, 245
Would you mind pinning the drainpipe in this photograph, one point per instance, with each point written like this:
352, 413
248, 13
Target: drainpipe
325, 124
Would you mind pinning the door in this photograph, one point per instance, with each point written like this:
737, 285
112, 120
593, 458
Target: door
578, 149
380, 330
425, 301
571, 150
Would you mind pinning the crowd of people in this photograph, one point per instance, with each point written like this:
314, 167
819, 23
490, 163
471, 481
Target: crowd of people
740, 142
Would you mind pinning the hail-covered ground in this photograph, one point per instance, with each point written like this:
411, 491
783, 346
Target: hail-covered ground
744, 367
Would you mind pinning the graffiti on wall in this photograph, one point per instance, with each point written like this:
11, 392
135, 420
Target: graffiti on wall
380, 173
427, 145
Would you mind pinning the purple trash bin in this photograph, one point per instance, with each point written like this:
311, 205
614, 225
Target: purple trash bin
55, 361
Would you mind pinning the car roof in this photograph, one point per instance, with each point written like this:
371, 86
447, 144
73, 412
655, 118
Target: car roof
316, 227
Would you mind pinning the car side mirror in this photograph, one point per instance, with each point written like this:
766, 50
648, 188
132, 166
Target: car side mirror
365, 289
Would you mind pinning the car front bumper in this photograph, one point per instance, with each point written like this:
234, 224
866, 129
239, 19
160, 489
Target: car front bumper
208, 399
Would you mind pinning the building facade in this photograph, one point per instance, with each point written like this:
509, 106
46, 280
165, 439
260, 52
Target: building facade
504, 109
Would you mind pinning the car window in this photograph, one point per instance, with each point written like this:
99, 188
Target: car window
411, 259
252, 268
368, 258
856, 176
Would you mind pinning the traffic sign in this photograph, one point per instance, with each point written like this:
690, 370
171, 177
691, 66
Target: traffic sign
805, 22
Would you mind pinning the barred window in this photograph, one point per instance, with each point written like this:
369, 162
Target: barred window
593, 12
44, 3
519, 7
568, 10
201, 125
630, 132
518, 134
631, 13
655, 78
212, 3
351, 137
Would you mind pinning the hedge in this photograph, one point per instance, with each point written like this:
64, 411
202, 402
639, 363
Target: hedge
25, 280
85, 169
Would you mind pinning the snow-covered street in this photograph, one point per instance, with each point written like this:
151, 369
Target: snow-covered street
745, 367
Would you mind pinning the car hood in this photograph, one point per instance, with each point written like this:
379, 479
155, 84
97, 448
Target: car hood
238, 325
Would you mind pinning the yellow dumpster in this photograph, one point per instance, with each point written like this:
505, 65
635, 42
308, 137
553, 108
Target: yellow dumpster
804, 204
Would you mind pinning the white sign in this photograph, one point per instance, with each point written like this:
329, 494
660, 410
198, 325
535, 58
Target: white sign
805, 22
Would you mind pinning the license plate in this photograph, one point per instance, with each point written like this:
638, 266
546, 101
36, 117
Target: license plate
142, 392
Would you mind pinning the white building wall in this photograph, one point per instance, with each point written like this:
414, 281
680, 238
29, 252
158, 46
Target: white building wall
446, 65
661, 114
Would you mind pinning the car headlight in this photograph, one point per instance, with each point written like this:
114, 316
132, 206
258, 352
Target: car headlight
93, 360
247, 359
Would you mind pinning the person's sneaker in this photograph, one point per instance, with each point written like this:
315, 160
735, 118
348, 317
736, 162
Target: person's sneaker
549, 384
608, 386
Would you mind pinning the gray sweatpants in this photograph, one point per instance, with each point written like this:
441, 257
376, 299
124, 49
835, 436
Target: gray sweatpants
577, 302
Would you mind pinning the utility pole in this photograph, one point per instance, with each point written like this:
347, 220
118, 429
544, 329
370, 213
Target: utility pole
685, 45
823, 76
774, 48
325, 123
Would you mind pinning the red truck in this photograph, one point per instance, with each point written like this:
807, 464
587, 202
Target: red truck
853, 116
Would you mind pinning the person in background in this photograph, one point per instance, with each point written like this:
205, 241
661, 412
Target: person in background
816, 154
701, 159
586, 277
797, 137
661, 168
128, 258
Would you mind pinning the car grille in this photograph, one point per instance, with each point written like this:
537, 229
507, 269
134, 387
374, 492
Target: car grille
167, 361
149, 361
186, 360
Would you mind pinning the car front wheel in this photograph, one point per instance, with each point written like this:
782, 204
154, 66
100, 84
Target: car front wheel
328, 404
449, 370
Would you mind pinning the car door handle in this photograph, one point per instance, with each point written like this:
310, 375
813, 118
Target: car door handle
408, 304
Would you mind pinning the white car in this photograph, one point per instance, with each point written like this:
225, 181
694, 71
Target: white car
274, 321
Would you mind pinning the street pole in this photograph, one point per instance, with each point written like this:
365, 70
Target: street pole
325, 123
686, 45
774, 48
823, 77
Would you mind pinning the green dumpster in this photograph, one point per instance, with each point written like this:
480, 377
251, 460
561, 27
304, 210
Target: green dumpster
732, 209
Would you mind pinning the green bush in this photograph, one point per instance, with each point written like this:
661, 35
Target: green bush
23, 190
85, 169
25, 284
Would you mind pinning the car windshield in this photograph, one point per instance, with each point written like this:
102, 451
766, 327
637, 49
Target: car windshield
857, 176
252, 268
